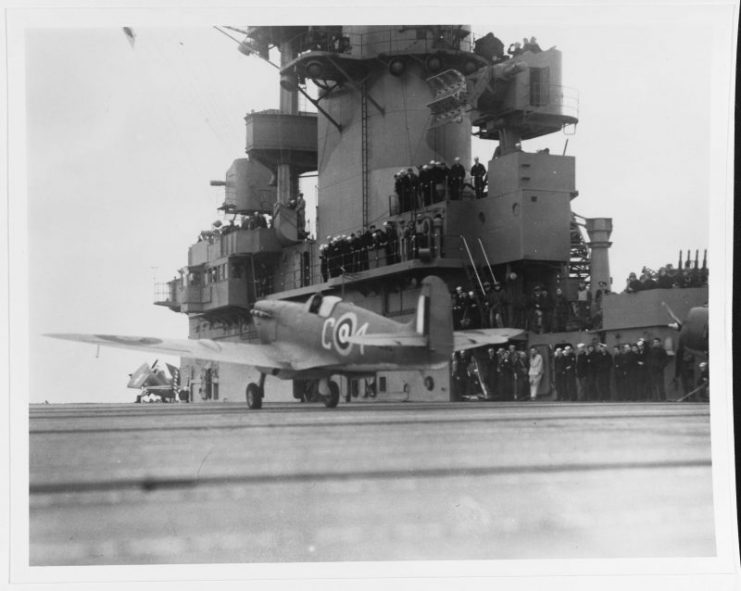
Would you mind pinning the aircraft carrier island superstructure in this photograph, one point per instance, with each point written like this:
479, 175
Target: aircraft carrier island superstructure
405, 98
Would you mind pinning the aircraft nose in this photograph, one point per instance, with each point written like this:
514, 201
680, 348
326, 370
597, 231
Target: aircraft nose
262, 310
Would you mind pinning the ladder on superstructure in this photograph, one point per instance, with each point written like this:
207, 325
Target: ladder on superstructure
472, 273
579, 255
364, 150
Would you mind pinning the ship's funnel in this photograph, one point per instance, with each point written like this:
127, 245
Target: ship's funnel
599, 231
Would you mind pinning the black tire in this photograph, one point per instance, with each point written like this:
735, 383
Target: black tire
253, 396
331, 400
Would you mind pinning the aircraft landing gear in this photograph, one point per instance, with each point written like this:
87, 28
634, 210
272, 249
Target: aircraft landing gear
330, 392
303, 390
255, 393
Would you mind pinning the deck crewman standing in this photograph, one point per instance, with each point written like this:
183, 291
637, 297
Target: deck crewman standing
478, 174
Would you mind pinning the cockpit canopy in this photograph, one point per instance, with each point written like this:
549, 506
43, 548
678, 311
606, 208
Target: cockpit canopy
322, 305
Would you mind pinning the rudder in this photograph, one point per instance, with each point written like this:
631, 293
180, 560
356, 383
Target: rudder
434, 317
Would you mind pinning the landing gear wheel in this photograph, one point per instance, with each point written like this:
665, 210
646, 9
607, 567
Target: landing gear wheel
333, 398
253, 396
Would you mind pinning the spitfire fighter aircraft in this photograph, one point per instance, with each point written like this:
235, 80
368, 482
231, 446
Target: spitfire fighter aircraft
325, 337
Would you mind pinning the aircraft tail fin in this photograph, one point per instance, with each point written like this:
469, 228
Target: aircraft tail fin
434, 319
432, 326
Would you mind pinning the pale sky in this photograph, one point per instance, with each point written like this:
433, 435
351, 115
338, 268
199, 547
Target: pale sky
122, 142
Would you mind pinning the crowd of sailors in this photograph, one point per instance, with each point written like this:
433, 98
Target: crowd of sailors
668, 277
256, 220
538, 311
491, 48
436, 181
329, 38
333, 39
251, 221
543, 312
391, 243
630, 372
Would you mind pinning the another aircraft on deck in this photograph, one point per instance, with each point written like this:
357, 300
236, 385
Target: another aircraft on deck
155, 383
326, 336
693, 331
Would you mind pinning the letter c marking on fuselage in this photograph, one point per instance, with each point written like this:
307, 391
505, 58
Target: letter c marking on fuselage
327, 339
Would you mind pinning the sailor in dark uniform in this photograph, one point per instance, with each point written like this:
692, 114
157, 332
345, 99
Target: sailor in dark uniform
603, 366
425, 184
409, 238
478, 174
459, 302
455, 179
332, 260
642, 388
442, 173
438, 240
401, 240
366, 243
492, 373
406, 189
323, 266
392, 243
489, 47
412, 188
559, 372
618, 372
399, 190
514, 49
345, 244
630, 368
570, 371
421, 234
472, 311
531, 45
656, 361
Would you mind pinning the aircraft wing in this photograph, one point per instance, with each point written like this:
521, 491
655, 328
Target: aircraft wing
463, 339
470, 339
244, 353
389, 340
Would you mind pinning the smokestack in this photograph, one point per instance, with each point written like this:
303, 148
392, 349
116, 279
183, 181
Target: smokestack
599, 231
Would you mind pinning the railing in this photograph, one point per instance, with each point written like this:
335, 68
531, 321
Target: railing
194, 294
279, 112
165, 292
551, 97
386, 39
417, 199
351, 265
232, 241
242, 329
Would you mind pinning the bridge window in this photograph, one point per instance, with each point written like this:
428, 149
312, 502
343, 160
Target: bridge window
539, 86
